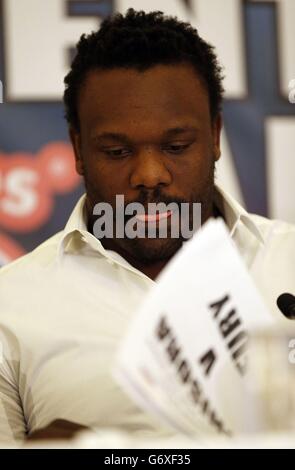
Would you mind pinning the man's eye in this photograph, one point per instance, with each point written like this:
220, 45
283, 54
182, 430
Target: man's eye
117, 152
176, 148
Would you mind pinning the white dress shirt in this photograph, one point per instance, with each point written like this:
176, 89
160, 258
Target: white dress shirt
65, 306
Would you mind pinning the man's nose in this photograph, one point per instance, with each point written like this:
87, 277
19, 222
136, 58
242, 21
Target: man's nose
149, 170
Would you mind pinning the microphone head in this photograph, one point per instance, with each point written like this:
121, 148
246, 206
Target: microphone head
286, 304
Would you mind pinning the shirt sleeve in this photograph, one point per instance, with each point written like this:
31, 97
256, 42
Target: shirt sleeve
12, 421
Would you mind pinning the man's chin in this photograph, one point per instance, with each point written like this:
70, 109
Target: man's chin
148, 250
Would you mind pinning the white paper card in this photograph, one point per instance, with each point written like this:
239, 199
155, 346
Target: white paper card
185, 355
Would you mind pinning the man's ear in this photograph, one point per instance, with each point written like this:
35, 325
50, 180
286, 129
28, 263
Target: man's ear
75, 138
217, 126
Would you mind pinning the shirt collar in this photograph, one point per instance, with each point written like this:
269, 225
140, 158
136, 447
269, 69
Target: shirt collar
75, 231
234, 214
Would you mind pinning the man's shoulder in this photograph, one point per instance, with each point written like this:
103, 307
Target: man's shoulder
273, 227
44, 254
266, 226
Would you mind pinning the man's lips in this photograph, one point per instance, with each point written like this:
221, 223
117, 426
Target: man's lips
153, 217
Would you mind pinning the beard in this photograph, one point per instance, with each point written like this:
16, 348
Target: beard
147, 250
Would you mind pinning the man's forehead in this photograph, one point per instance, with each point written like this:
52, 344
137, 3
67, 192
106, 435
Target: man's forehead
163, 82
115, 96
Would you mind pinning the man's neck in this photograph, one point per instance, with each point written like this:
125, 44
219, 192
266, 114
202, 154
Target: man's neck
150, 270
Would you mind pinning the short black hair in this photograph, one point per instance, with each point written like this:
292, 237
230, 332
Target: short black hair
141, 40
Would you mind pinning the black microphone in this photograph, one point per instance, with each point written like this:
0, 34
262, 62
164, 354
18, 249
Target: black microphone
286, 303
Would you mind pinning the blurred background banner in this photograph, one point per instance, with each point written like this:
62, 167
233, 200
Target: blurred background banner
255, 42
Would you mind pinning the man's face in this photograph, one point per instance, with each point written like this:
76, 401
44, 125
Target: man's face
148, 136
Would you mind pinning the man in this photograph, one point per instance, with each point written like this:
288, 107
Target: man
143, 102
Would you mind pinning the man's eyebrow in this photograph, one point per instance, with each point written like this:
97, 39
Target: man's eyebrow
179, 130
113, 136
123, 138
